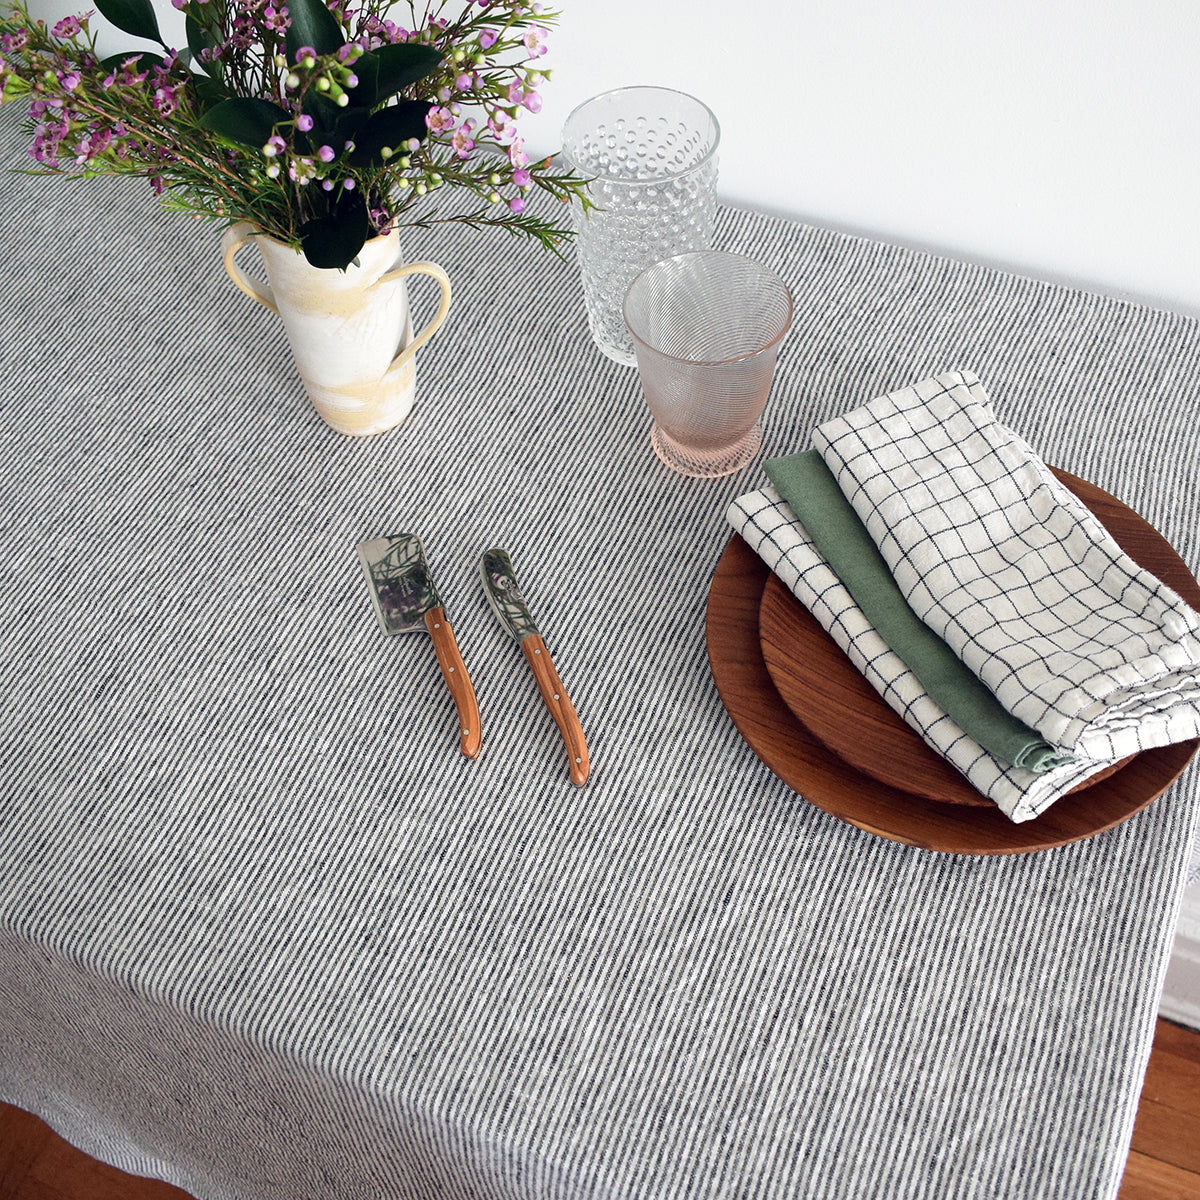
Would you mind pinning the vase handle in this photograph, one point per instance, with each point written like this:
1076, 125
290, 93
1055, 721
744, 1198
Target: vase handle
232, 240
435, 272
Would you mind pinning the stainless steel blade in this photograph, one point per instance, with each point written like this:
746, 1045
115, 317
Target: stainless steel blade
500, 587
401, 587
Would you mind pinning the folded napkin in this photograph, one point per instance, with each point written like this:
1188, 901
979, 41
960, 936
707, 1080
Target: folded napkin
1015, 574
770, 527
812, 493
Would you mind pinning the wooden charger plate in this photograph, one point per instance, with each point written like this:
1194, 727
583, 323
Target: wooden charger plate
800, 758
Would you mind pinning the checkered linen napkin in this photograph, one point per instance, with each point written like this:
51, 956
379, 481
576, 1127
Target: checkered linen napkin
1018, 577
770, 527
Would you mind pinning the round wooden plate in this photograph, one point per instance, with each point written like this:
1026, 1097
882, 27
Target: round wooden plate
806, 764
833, 699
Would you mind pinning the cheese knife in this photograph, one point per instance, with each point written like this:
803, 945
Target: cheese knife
406, 601
504, 595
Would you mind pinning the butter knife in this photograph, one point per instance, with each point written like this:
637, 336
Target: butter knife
406, 601
504, 595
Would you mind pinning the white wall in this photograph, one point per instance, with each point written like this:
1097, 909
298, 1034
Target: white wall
1057, 137
1061, 137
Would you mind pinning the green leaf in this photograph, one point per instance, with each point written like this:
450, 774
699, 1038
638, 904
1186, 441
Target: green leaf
244, 119
312, 25
332, 242
132, 16
198, 39
389, 127
331, 124
400, 65
365, 92
209, 92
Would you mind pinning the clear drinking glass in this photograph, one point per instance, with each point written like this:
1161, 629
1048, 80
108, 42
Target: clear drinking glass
706, 327
652, 153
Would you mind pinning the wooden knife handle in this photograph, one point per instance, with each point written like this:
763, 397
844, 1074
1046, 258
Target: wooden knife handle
559, 704
454, 671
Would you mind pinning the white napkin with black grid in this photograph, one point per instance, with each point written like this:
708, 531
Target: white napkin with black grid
1016, 574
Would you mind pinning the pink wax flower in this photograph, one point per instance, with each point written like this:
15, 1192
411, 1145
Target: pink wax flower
535, 41
501, 127
166, 100
439, 120
302, 170
68, 27
462, 141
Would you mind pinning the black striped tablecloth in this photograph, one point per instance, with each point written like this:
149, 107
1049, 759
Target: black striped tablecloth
264, 932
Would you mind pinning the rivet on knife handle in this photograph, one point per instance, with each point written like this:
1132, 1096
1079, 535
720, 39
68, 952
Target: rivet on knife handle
406, 601
500, 584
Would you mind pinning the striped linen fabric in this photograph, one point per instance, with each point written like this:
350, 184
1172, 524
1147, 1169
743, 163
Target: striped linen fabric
1020, 579
771, 528
265, 932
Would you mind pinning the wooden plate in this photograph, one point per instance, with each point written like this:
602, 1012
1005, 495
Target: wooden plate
806, 764
832, 698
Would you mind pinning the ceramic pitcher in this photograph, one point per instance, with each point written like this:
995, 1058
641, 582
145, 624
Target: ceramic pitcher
350, 331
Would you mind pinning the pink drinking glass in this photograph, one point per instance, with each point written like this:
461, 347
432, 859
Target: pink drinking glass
706, 330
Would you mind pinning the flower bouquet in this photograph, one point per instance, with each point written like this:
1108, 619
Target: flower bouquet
318, 124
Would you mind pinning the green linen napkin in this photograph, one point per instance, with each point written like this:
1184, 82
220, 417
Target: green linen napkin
810, 489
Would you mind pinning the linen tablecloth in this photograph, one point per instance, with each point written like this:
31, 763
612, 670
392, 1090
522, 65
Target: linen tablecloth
266, 934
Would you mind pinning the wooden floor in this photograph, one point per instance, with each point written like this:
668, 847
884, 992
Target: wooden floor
1164, 1163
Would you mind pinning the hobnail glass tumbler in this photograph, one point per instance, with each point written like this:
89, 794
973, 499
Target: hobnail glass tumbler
707, 327
651, 153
